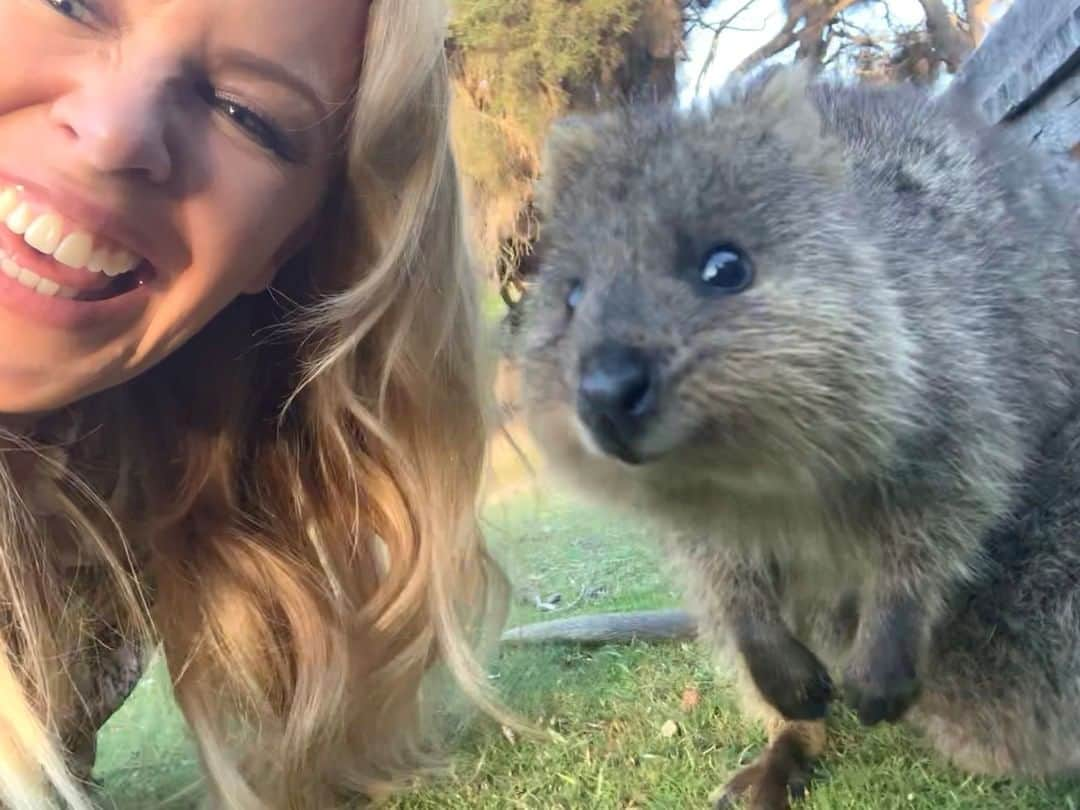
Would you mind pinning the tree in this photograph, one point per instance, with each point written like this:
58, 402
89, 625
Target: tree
825, 32
517, 66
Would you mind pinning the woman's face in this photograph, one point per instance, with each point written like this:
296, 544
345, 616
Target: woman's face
158, 158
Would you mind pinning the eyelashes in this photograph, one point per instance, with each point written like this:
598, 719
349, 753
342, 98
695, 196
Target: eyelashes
259, 127
77, 10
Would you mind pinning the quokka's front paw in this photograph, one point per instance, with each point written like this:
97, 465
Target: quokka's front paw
882, 687
790, 677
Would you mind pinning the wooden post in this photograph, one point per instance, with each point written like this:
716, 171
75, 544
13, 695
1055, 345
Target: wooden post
1026, 74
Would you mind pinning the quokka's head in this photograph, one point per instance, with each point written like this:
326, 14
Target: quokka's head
710, 307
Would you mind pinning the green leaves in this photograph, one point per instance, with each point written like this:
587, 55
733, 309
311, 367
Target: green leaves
536, 53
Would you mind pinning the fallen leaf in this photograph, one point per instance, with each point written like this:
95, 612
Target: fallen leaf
690, 698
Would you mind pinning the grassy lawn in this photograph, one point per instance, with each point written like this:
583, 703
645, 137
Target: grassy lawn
635, 726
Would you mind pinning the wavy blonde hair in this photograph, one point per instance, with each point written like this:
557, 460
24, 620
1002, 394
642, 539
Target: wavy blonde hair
287, 505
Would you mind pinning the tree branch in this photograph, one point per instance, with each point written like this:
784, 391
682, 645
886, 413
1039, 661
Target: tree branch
978, 15
815, 18
950, 43
607, 628
717, 30
812, 47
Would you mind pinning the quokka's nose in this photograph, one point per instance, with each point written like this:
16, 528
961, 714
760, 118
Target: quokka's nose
616, 396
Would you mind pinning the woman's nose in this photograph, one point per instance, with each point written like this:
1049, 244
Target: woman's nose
117, 122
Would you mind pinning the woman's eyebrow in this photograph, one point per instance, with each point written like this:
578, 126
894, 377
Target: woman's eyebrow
277, 73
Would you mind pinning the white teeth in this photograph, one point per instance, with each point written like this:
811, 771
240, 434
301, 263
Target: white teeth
19, 219
120, 262
28, 278
9, 198
75, 250
98, 259
32, 280
44, 233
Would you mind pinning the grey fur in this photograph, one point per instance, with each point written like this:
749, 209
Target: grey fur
875, 449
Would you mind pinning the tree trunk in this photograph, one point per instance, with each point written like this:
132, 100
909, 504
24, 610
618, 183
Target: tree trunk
949, 42
815, 15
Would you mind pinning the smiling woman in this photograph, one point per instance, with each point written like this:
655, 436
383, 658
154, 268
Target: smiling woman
234, 304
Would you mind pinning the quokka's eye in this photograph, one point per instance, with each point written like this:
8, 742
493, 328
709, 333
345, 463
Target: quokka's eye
574, 294
727, 269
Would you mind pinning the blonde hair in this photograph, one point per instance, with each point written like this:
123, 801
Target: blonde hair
301, 509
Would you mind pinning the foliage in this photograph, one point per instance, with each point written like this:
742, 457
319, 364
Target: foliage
519, 65
533, 54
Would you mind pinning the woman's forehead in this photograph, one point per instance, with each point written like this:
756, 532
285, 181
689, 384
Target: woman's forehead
319, 43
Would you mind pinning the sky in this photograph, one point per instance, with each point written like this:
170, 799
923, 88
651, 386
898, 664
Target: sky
759, 23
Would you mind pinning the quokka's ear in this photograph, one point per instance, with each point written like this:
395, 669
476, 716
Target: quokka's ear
569, 143
785, 91
783, 101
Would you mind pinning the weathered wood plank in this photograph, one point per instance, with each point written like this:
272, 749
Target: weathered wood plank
1054, 123
1026, 76
1051, 59
1033, 48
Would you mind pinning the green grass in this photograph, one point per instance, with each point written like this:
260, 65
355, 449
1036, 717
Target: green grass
492, 306
145, 759
606, 708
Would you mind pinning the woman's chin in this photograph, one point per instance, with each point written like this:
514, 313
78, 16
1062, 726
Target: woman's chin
49, 378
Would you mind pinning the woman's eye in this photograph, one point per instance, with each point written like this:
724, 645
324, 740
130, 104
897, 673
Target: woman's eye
257, 127
574, 295
265, 133
727, 269
77, 10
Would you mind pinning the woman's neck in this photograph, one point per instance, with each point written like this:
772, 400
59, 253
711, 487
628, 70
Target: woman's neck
20, 423
14, 427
